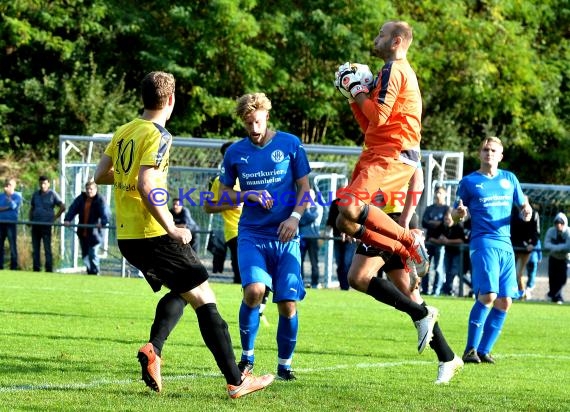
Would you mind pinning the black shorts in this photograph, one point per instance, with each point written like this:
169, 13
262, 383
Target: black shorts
165, 262
392, 261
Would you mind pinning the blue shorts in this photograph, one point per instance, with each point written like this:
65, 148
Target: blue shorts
274, 263
493, 271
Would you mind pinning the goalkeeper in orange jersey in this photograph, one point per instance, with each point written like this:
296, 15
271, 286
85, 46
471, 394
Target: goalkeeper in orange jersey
390, 117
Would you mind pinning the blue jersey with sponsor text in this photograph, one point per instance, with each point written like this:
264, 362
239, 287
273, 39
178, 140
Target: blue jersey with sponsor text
490, 201
274, 167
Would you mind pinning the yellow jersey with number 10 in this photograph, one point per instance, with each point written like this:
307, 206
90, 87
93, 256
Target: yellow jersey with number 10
135, 144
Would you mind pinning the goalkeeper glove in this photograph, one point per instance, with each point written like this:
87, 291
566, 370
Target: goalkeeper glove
349, 81
341, 89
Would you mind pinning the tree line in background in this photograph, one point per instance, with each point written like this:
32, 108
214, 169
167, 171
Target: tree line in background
485, 68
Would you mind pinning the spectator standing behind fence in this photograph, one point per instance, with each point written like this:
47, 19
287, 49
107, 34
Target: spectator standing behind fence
557, 243
43, 203
92, 210
532, 268
432, 220
309, 230
343, 245
524, 236
183, 218
10, 203
230, 215
452, 238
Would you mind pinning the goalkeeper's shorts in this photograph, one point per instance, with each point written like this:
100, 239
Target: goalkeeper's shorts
376, 175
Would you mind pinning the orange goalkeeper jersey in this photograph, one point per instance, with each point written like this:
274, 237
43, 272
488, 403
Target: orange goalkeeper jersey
391, 118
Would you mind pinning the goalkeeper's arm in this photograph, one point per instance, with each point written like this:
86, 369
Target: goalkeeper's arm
360, 99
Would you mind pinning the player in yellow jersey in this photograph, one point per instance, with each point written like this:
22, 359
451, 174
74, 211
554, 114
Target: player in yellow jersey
136, 163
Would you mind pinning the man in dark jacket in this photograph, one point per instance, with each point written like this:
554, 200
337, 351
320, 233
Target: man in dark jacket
91, 208
183, 218
432, 220
557, 243
525, 234
42, 214
309, 230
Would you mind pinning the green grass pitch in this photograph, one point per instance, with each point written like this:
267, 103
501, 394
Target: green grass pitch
69, 343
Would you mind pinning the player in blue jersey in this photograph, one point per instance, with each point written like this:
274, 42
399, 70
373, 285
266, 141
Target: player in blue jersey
272, 169
487, 197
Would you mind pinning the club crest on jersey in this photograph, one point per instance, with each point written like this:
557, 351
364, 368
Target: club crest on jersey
277, 156
505, 184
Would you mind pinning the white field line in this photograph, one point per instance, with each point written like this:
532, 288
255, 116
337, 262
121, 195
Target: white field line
189, 377
79, 290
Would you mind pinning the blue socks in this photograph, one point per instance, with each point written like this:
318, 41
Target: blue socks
287, 330
286, 340
477, 317
484, 328
248, 328
492, 330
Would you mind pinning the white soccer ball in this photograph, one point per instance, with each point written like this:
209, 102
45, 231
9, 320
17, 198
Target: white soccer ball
363, 74
342, 90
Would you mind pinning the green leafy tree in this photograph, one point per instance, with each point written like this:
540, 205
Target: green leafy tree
485, 68
85, 90
50, 85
